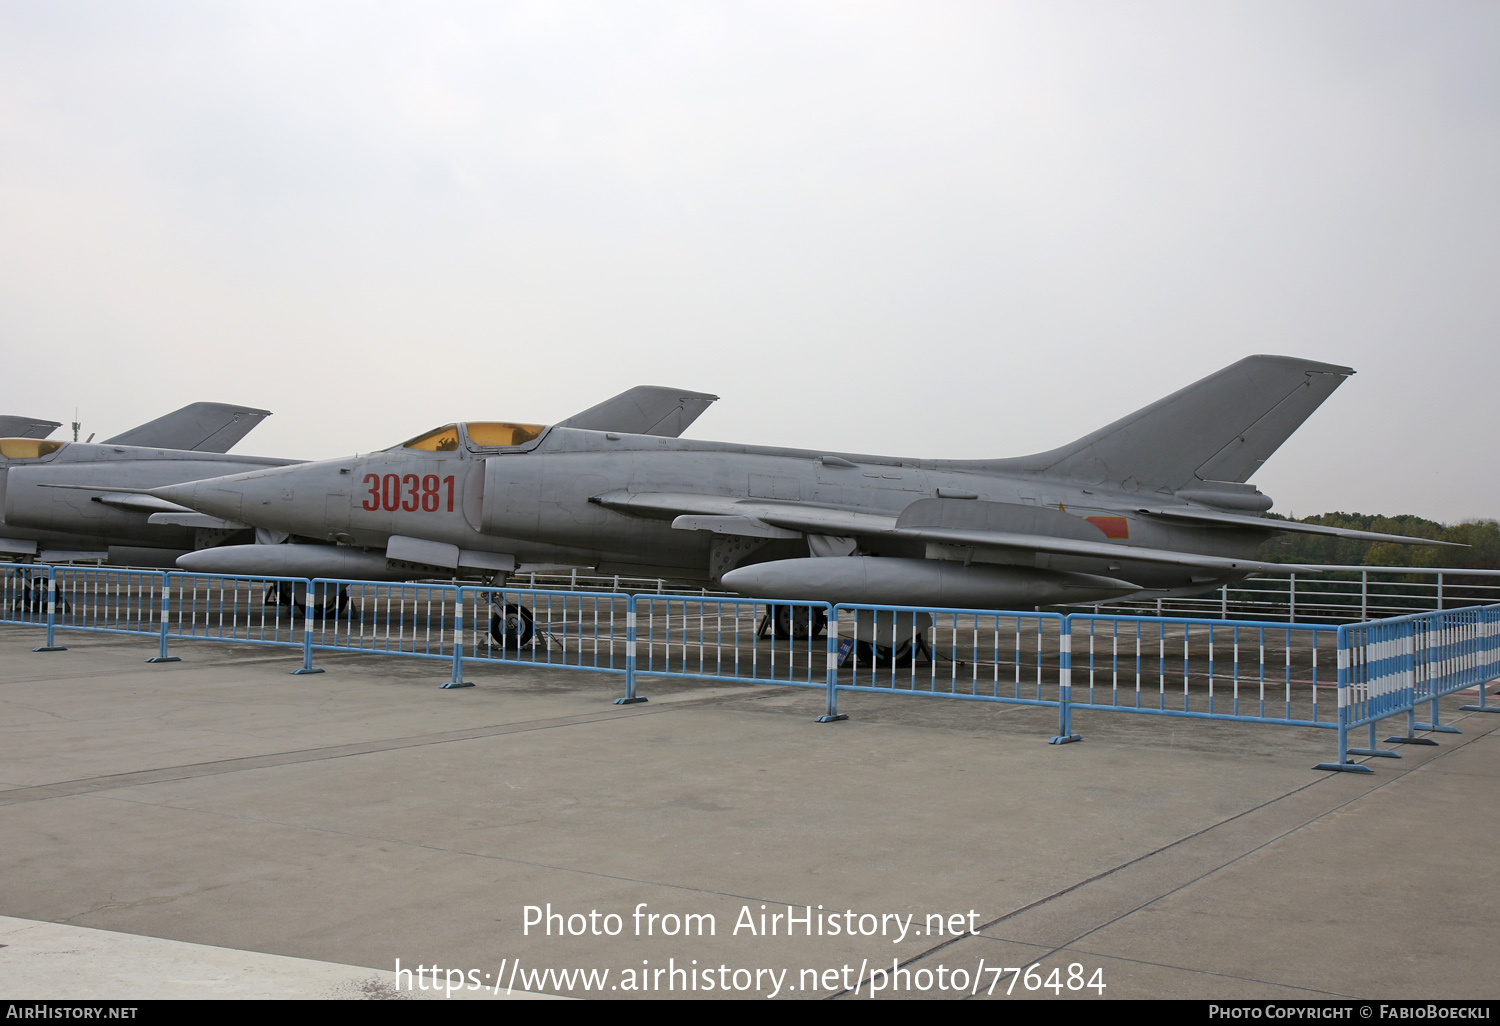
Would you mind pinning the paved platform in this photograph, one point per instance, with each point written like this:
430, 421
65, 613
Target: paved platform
306, 833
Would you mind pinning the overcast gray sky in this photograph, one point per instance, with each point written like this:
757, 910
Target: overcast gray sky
927, 229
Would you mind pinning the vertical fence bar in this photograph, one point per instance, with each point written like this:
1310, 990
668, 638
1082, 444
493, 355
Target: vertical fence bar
631, 698
307, 624
51, 645
166, 615
831, 713
1065, 733
457, 680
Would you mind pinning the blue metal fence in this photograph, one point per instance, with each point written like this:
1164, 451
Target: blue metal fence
1304, 675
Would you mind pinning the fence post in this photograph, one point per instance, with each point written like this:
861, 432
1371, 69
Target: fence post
1344, 765
166, 612
307, 626
831, 714
51, 645
1065, 733
631, 698
457, 680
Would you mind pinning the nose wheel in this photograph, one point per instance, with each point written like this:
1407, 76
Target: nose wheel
513, 629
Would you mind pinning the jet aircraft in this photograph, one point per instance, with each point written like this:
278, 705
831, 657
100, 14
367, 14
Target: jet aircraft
1156, 503
47, 513
66, 501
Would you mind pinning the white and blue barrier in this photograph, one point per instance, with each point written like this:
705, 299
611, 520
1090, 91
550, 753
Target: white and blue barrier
1391, 667
1340, 678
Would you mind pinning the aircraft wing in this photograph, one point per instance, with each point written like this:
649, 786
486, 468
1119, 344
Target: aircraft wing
200, 427
644, 410
1289, 526
1092, 550
1002, 526
26, 427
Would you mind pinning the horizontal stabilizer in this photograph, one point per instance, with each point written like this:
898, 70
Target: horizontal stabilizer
26, 427
1291, 527
1221, 428
200, 427
644, 410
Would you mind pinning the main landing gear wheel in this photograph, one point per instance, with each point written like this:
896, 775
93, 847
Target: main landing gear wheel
883, 655
284, 593
515, 629
797, 621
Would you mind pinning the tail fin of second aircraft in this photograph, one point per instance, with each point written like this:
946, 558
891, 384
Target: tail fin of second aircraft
26, 427
644, 410
1221, 428
201, 427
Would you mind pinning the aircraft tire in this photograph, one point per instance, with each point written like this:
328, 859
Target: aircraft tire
794, 622
883, 656
515, 631
327, 609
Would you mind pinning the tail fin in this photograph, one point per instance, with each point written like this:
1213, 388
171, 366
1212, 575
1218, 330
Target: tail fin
644, 410
26, 427
201, 427
1221, 428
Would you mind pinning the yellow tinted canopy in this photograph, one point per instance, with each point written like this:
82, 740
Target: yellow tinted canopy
443, 439
495, 434
27, 448
481, 435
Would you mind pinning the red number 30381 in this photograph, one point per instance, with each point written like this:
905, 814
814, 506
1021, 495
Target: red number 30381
410, 492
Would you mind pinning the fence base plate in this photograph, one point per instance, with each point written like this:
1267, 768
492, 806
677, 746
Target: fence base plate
1410, 741
165, 659
630, 701
1064, 739
458, 684
833, 717
1480, 708
305, 669
50, 648
1343, 767
1437, 728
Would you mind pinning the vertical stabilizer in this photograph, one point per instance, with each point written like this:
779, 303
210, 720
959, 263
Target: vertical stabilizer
1221, 428
201, 427
26, 427
644, 410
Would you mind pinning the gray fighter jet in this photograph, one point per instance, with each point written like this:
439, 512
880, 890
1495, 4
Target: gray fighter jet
65, 501
1157, 503
48, 513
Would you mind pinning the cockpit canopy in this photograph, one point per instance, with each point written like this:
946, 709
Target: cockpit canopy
28, 448
475, 436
